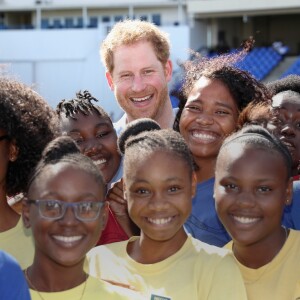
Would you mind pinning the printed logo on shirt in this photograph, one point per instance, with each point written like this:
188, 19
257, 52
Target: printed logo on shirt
156, 297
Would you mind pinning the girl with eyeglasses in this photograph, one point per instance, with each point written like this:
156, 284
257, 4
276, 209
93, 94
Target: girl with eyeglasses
27, 124
66, 211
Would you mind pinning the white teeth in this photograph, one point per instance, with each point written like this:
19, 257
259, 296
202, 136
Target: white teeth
160, 221
100, 161
141, 99
245, 220
204, 137
67, 239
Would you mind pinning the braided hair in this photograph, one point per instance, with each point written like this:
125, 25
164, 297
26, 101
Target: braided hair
144, 136
258, 137
63, 149
82, 103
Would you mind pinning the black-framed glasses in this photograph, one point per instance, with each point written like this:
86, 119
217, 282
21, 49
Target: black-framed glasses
86, 211
3, 137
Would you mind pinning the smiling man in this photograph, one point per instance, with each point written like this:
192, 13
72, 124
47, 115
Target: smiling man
136, 57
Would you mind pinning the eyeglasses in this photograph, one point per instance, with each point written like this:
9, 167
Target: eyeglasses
3, 137
87, 211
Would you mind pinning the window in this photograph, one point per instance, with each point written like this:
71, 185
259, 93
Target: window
106, 19
143, 18
79, 22
93, 22
69, 22
45, 23
118, 18
156, 19
57, 23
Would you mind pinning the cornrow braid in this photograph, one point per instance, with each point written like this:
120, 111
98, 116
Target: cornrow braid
81, 104
64, 150
134, 128
258, 136
137, 143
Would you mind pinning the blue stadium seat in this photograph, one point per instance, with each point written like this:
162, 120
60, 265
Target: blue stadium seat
293, 69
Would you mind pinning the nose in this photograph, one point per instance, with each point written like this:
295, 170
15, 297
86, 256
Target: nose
158, 202
205, 119
69, 217
246, 199
90, 147
138, 84
288, 130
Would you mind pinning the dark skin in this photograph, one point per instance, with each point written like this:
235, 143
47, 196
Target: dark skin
159, 202
58, 264
118, 204
251, 206
8, 154
210, 114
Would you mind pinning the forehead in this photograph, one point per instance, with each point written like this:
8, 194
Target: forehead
140, 54
64, 176
212, 87
250, 155
148, 160
286, 98
84, 121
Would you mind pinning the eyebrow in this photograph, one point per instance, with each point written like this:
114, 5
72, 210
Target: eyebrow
218, 103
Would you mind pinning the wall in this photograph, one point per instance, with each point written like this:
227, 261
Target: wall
60, 62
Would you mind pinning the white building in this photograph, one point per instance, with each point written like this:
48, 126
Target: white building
54, 44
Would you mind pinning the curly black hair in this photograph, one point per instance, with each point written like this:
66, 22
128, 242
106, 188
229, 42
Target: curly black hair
31, 123
81, 104
288, 83
243, 87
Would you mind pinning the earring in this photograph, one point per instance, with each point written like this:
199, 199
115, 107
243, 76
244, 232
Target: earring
12, 158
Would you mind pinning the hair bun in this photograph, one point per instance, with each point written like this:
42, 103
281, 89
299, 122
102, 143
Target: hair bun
134, 128
58, 148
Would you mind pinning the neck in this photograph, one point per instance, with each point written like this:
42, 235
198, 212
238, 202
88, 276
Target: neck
165, 117
54, 277
261, 253
147, 251
206, 169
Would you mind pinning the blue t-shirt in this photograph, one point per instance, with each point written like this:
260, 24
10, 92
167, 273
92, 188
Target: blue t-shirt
204, 223
13, 285
291, 216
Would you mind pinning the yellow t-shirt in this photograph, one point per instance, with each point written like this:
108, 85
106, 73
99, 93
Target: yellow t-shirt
19, 243
90, 290
297, 292
196, 271
279, 279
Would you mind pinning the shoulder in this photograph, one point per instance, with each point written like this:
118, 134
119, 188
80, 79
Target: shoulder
208, 250
108, 251
8, 261
12, 281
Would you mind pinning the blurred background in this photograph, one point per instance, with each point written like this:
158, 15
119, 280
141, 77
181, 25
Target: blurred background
53, 45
